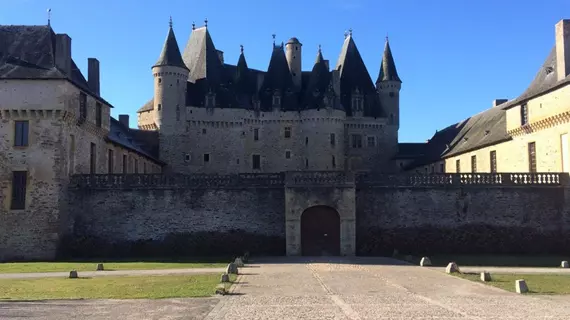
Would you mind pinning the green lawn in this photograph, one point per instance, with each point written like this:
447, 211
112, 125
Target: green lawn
16, 267
138, 287
547, 261
537, 283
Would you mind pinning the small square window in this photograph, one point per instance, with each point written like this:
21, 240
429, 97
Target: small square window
356, 141
206, 157
204, 131
187, 157
256, 134
159, 107
287, 154
287, 132
371, 141
333, 139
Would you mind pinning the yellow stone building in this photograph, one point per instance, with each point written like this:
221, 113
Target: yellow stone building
527, 134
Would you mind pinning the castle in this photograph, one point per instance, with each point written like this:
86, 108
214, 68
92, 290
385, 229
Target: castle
213, 117
228, 158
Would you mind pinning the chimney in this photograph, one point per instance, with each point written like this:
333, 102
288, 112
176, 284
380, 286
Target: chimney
498, 102
93, 75
63, 53
221, 55
327, 64
124, 120
563, 49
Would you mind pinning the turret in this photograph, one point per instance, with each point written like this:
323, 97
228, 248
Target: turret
293, 54
170, 80
388, 86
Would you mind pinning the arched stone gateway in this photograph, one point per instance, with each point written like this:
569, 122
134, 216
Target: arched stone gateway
320, 231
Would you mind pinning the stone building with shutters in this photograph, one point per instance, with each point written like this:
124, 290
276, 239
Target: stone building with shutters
54, 124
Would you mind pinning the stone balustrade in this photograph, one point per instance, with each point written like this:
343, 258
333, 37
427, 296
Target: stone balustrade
313, 178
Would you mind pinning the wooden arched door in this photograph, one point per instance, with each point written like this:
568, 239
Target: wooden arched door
320, 232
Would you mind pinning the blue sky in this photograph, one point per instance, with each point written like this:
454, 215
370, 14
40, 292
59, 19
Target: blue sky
454, 56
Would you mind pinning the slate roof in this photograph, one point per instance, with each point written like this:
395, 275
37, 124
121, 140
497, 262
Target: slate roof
28, 52
410, 150
202, 59
318, 86
170, 55
355, 76
142, 142
388, 67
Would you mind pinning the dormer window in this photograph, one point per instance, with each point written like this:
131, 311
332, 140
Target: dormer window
210, 100
357, 101
276, 99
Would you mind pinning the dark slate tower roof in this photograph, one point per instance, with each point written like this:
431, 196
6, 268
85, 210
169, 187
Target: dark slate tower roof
201, 57
170, 55
319, 81
388, 67
355, 76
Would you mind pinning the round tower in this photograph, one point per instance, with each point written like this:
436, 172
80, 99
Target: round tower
293, 54
388, 86
170, 78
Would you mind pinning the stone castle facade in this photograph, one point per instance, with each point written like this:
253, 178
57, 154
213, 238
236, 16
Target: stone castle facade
213, 117
285, 161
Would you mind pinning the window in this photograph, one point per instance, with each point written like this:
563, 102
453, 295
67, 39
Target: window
144, 167
177, 113
125, 164
206, 157
306, 140
333, 162
287, 132
19, 181
371, 141
256, 134
474, 164
287, 154
71, 169
356, 141
186, 157
204, 131
21, 129
136, 164
82, 106
524, 114
333, 139
442, 167
457, 166
92, 157
493, 159
98, 114
256, 162
532, 157
110, 160
159, 107
159, 80
306, 163
276, 100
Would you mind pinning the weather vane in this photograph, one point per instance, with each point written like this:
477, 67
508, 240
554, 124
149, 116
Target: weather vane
241, 48
206, 22
49, 16
170, 22
193, 25
273, 35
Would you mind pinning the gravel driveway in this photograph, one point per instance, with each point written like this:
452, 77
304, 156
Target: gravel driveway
324, 288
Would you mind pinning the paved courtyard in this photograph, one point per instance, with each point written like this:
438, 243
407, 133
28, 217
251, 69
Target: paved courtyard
323, 288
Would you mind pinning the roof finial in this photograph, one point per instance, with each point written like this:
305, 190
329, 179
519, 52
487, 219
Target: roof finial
193, 25
170, 22
345, 34
319, 48
241, 48
386, 37
350, 32
49, 16
273, 35
206, 22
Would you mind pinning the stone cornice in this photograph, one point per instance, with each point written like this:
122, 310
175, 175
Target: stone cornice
545, 123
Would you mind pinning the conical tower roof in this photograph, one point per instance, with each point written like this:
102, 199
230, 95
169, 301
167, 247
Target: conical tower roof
170, 55
388, 67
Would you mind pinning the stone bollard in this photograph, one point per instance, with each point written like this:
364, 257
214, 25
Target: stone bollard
73, 274
239, 262
232, 268
485, 276
100, 267
451, 268
520, 286
425, 262
225, 278
564, 264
